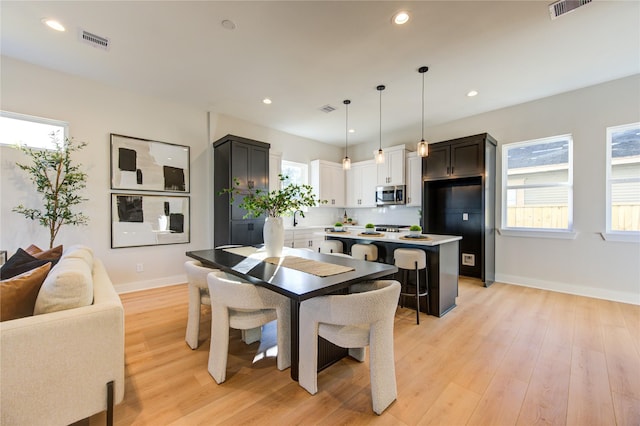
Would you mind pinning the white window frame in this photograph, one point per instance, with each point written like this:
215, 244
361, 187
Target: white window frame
567, 233
611, 235
304, 173
63, 125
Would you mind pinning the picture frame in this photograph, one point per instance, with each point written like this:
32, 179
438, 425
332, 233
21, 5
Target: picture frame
149, 220
146, 165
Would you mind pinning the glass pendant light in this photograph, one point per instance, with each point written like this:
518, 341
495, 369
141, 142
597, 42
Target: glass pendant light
379, 156
423, 147
346, 161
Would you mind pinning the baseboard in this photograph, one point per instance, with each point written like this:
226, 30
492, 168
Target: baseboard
578, 290
145, 285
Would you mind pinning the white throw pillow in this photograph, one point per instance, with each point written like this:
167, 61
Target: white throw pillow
69, 285
80, 252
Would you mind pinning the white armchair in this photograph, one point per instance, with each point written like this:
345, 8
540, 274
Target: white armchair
363, 318
198, 296
244, 306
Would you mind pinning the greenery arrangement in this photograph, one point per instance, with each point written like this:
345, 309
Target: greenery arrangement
59, 182
369, 226
415, 228
277, 203
338, 224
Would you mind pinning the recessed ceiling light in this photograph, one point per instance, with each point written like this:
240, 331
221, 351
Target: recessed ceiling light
228, 24
401, 18
472, 93
352, 130
53, 24
266, 101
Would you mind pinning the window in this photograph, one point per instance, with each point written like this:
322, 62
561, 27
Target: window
296, 173
537, 184
623, 178
32, 131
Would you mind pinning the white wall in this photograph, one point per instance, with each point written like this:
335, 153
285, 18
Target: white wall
93, 112
587, 265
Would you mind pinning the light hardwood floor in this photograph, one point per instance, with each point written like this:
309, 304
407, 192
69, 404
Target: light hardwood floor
506, 355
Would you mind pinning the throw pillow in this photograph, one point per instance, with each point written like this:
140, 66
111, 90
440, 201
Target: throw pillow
69, 285
18, 294
51, 254
20, 262
33, 249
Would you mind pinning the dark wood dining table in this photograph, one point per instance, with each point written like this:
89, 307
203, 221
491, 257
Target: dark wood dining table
296, 285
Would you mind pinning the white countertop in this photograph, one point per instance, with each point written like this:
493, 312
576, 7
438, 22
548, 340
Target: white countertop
393, 237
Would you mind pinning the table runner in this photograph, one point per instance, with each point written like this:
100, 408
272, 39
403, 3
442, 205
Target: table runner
309, 266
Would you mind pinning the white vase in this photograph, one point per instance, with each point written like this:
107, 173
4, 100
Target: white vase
162, 223
273, 233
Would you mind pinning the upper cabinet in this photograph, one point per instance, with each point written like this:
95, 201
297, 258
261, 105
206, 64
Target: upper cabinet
275, 168
414, 180
391, 172
462, 157
361, 184
328, 182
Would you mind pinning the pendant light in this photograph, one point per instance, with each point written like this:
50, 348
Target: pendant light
346, 161
379, 156
423, 147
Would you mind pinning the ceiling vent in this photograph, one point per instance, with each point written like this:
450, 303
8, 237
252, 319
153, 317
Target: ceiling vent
327, 108
94, 40
565, 6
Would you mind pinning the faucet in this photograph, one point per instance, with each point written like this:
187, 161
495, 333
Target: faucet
295, 222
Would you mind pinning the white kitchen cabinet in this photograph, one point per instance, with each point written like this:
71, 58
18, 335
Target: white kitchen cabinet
328, 182
361, 184
302, 238
414, 180
275, 168
391, 172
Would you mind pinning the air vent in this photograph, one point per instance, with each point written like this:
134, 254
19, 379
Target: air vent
327, 108
94, 40
565, 6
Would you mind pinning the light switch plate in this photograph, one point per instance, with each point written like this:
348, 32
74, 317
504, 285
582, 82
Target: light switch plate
465, 216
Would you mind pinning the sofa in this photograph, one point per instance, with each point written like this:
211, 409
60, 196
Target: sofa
64, 364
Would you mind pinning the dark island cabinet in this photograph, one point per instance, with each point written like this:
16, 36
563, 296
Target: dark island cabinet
459, 186
246, 160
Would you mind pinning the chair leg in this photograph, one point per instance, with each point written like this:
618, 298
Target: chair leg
193, 318
417, 295
382, 370
219, 349
110, 404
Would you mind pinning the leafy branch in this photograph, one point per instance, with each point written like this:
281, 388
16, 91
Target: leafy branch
58, 181
277, 203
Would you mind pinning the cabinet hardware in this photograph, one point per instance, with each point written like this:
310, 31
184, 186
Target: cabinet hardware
452, 167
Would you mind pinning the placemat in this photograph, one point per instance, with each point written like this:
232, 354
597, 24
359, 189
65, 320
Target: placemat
377, 234
420, 238
245, 251
310, 266
338, 232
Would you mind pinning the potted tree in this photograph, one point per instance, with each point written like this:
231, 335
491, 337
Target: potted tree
59, 182
274, 204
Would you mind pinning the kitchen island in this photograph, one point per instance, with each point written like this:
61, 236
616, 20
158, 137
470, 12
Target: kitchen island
442, 261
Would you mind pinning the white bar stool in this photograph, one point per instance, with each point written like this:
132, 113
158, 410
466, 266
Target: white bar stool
365, 252
416, 260
331, 246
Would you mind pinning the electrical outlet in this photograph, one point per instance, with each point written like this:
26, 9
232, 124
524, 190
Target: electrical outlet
139, 267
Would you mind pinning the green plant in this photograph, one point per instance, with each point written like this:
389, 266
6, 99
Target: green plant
59, 182
369, 226
415, 228
277, 203
338, 224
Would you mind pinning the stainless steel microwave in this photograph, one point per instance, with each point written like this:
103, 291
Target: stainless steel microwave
387, 195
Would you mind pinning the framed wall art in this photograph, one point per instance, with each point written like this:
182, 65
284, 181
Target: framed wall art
145, 165
149, 220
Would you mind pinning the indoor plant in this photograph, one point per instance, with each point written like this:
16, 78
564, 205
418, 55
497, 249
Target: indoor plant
274, 204
338, 227
369, 228
415, 230
58, 181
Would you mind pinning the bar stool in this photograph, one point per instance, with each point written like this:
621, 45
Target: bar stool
331, 246
365, 252
413, 259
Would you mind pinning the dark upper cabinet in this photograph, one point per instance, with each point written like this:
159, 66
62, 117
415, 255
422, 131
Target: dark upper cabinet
462, 157
247, 161
459, 199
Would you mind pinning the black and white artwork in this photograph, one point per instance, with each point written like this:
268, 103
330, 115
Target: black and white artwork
147, 220
145, 165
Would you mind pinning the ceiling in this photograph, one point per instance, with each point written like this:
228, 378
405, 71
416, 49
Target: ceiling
308, 54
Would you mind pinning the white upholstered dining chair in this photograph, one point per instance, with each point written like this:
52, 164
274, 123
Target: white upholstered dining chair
198, 296
241, 305
362, 318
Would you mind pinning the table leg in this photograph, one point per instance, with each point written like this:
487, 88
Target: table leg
295, 338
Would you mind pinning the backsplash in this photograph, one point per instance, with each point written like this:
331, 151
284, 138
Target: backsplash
390, 215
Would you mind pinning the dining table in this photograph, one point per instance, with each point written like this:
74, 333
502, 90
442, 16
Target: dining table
298, 274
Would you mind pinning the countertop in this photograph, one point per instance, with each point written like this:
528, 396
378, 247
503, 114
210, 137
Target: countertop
393, 237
